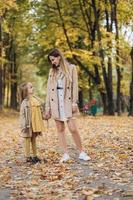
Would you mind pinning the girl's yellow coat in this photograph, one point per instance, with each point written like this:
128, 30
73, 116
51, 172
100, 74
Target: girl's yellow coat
31, 119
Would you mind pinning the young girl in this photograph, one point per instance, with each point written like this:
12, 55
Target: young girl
31, 120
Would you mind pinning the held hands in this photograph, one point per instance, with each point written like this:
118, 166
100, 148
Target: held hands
47, 115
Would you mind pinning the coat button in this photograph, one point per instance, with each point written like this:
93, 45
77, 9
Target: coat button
69, 97
67, 87
52, 99
52, 89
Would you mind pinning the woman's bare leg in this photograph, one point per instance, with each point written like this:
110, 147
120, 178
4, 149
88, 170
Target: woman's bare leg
75, 134
61, 135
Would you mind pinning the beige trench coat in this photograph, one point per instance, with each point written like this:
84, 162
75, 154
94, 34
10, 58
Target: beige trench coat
70, 98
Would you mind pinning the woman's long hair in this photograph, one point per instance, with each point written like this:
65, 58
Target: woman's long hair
63, 64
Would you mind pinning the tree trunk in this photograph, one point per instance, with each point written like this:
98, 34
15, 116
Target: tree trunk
81, 99
118, 101
90, 90
1, 66
104, 101
108, 85
118, 70
13, 97
123, 104
131, 87
110, 88
8, 94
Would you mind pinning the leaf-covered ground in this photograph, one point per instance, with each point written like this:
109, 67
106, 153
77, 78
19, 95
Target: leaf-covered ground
109, 175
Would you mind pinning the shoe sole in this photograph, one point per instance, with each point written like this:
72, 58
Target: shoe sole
84, 159
65, 160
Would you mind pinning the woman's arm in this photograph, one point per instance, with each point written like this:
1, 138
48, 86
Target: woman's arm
74, 87
47, 103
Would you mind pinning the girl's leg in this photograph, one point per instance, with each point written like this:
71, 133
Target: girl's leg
61, 135
33, 144
27, 147
75, 134
35, 159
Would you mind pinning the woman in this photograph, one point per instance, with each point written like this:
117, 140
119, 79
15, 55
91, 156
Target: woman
62, 99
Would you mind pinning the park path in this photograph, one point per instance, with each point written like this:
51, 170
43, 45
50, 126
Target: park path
108, 176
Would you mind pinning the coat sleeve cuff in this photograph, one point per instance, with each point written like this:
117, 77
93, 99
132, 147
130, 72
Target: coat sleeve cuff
74, 104
47, 109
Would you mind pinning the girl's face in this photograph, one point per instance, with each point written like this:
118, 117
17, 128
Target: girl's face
55, 60
30, 88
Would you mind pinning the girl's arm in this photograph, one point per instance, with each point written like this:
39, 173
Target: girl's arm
22, 117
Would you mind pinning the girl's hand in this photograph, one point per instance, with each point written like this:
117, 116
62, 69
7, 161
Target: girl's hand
25, 130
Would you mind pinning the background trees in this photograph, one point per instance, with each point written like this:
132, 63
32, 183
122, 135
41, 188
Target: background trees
93, 34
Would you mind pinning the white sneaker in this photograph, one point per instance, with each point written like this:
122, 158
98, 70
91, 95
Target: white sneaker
65, 158
84, 156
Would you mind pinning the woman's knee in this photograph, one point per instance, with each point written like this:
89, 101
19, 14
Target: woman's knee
72, 127
73, 130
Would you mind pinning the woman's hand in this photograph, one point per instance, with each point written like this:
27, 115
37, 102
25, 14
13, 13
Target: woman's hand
74, 108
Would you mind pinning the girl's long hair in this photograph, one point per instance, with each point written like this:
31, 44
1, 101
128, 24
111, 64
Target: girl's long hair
63, 64
23, 92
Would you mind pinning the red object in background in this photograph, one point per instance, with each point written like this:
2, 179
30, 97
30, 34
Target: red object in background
93, 102
86, 107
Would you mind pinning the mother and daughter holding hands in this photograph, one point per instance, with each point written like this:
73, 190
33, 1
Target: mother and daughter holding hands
61, 105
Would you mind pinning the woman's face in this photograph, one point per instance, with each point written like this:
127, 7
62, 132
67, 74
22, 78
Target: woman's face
30, 88
55, 60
